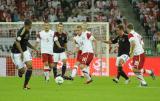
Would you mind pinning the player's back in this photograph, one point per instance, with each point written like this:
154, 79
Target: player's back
46, 41
138, 42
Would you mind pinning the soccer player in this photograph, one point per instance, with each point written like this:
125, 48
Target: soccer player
21, 55
85, 42
137, 52
60, 53
123, 52
46, 38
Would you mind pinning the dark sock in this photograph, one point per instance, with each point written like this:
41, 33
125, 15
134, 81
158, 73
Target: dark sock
123, 74
27, 76
118, 75
63, 70
55, 72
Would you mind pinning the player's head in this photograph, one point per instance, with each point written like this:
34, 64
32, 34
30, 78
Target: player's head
46, 26
60, 27
79, 29
120, 30
84, 25
27, 24
130, 27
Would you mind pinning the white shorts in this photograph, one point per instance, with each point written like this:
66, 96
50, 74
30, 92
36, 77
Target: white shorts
125, 57
16, 58
59, 56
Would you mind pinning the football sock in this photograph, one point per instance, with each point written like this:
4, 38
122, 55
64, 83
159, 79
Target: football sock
46, 72
74, 71
147, 71
140, 77
86, 74
27, 76
63, 70
55, 71
123, 74
118, 75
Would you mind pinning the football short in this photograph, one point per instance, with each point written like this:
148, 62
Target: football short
59, 56
124, 57
47, 58
138, 61
86, 58
79, 53
16, 58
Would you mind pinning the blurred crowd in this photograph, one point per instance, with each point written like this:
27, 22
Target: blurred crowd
61, 11
148, 13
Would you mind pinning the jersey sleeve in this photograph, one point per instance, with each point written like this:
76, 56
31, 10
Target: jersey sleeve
115, 40
90, 36
131, 37
38, 37
20, 34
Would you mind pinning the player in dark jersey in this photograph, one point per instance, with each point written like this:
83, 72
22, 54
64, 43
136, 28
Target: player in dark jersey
60, 53
20, 55
123, 52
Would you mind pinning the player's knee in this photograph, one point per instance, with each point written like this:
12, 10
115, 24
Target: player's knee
82, 66
22, 70
46, 64
29, 64
119, 68
64, 61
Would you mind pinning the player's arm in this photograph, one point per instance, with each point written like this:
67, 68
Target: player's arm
37, 40
114, 41
17, 42
30, 46
132, 44
57, 42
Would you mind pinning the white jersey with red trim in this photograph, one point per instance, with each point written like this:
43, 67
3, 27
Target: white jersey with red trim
46, 40
134, 36
77, 42
86, 42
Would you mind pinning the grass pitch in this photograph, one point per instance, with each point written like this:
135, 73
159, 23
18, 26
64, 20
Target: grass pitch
102, 89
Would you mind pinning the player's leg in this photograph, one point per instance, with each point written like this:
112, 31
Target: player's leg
56, 59
45, 58
123, 74
63, 57
52, 64
75, 69
138, 62
148, 71
16, 58
28, 74
85, 61
116, 79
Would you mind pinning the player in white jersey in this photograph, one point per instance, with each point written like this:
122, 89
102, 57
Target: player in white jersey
46, 39
85, 42
137, 52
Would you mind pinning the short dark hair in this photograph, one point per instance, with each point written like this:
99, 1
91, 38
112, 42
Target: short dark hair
130, 26
121, 27
27, 22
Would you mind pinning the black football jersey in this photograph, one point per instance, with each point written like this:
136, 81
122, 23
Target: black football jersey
23, 37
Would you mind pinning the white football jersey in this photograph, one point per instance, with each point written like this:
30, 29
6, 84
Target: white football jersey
85, 42
47, 41
77, 41
134, 36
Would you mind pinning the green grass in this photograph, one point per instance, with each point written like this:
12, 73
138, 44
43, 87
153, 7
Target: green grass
102, 89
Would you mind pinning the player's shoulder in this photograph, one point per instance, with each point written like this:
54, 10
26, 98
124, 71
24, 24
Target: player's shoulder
130, 35
19, 32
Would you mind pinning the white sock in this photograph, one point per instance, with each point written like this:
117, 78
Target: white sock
148, 71
74, 71
46, 72
86, 74
140, 78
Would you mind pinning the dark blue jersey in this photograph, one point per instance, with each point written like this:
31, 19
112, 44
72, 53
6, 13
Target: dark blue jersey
124, 44
23, 37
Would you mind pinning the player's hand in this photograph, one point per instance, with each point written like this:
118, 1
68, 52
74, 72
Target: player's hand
22, 56
69, 52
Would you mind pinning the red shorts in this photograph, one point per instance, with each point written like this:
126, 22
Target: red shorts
79, 55
86, 58
47, 58
138, 61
